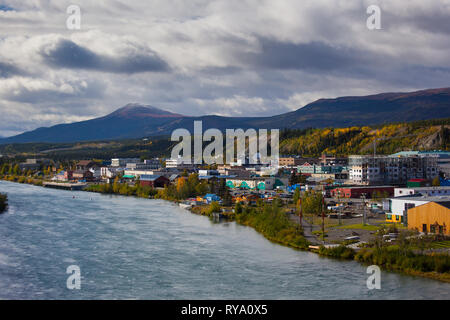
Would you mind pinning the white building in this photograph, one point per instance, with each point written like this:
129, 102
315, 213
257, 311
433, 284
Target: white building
429, 191
144, 165
122, 162
109, 172
178, 163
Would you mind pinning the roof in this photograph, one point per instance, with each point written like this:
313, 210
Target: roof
211, 195
365, 187
426, 188
420, 197
445, 204
84, 162
149, 177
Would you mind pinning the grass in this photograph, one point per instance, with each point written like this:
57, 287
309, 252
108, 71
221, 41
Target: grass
360, 226
440, 244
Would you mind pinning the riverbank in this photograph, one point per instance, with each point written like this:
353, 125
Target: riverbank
273, 224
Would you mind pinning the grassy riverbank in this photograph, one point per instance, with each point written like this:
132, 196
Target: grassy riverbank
273, 223
397, 259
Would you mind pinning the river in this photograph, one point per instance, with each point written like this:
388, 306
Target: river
131, 248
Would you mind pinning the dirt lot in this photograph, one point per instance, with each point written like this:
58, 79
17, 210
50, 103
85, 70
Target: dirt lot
335, 233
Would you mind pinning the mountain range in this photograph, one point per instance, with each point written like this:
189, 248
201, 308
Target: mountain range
138, 121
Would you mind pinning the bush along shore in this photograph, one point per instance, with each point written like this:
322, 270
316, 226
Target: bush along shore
3, 202
406, 256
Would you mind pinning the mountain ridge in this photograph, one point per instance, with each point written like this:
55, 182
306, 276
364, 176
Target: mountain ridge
136, 120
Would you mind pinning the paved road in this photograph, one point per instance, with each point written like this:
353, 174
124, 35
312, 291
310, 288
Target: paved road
308, 228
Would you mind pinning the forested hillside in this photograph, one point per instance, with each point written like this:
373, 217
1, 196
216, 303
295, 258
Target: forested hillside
391, 138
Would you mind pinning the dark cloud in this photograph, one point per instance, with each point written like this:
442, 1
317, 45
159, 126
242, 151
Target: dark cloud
4, 7
67, 54
316, 56
8, 70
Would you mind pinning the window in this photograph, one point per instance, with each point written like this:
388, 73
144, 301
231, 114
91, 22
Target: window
432, 228
441, 229
388, 217
424, 228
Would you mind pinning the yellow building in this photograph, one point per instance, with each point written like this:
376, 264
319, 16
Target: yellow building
432, 217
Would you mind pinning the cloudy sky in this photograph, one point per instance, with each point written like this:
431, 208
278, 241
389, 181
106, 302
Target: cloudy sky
227, 57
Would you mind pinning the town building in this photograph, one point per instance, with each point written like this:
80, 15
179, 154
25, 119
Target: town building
289, 161
397, 208
122, 162
359, 192
227, 170
110, 172
256, 183
376, 170
428, 191
34, 164
84, 165
82, 175
308, 168
431, 217
154, 181
331, 160
146, 165
179, 163
442, 159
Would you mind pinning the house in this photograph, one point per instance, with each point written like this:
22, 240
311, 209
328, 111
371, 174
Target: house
173, 177
34, 164
432, 217
210, 197
251, 183
63, 176
84, 165
68, 175
82, 175
154, 181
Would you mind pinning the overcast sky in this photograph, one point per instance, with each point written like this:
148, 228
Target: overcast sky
194, 57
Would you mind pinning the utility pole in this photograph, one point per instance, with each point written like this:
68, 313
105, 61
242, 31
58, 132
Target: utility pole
339, 208
364, 208
323, 219
301, 211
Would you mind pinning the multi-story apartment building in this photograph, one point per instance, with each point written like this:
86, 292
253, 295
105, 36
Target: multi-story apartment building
146, 165
179, 163
375, 170
122, 162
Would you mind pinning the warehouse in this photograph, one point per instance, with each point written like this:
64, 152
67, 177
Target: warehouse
431, 217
